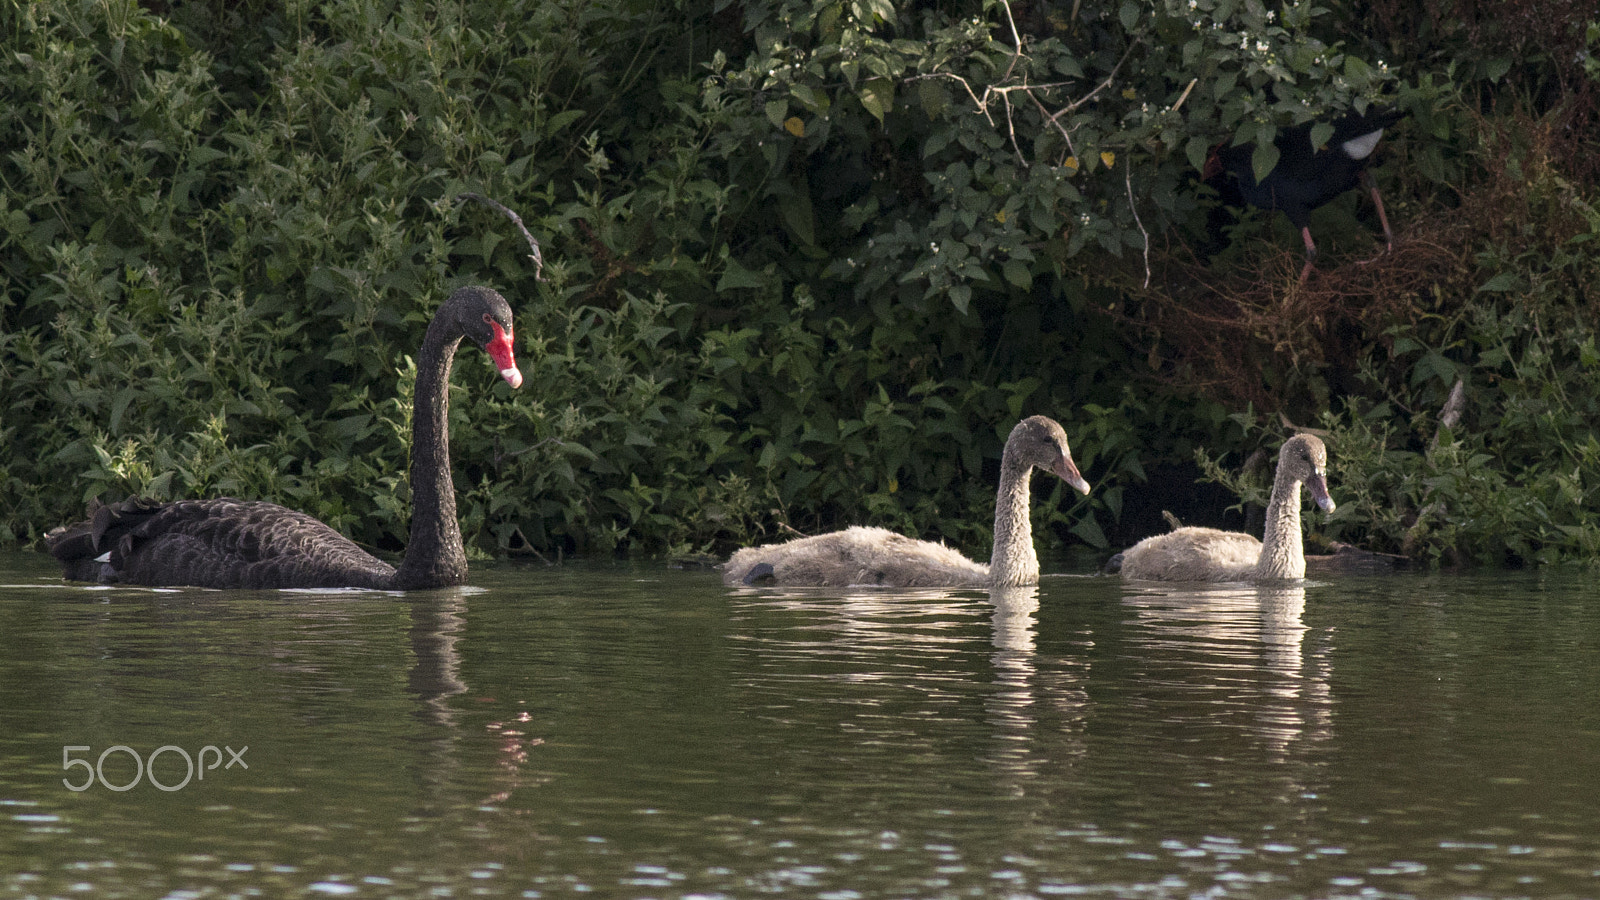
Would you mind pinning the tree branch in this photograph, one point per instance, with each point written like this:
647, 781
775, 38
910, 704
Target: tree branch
537, 255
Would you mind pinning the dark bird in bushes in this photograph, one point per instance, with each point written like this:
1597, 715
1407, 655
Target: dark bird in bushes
227, 543
1306, 177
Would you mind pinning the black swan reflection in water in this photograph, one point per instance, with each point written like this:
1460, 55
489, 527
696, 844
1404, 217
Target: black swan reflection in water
227, 543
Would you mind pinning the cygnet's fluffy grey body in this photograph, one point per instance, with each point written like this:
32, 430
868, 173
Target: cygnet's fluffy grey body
876, 556
1209, 554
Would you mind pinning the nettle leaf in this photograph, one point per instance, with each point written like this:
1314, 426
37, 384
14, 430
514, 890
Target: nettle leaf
1017, 272
777, 111
1129, 14
1263, 159
934, 97
961, 297
877, 96
1320, 133
561, 120
1502, 281
1089, 530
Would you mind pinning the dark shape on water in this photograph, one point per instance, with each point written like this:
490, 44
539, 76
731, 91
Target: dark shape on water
227, 543
760, 573
1306, 177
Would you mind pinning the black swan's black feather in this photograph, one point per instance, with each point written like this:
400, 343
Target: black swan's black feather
227, 543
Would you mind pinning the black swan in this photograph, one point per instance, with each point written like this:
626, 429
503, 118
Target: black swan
1305, 177
876, 556
1210, 554
227, 543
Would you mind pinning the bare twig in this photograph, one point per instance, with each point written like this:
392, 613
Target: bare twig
550, 440
1102, 86
1185, 95
1011, 127
1127, 172
1065, 134
537, 255
1016, 40
1449, 416
1454, 406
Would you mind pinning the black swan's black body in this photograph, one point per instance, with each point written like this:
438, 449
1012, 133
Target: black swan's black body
227, 543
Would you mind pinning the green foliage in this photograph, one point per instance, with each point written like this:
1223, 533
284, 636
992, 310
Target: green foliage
1515, 478
934, 155
805, 262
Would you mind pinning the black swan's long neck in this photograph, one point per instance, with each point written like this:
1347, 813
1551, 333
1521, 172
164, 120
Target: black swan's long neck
1013, 561
434, 555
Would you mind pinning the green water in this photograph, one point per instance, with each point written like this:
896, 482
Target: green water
638, 731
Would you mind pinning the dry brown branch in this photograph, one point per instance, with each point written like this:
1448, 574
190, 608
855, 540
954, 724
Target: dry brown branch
1221, 330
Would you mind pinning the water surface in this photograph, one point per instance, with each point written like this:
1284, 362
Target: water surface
632, 730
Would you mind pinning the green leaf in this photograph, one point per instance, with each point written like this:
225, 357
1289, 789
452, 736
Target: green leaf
777, 111
1504, 281
736, 277
810, 99
961, 296
1016, 271
1089, 530
934, 97
877, 97
796, 212
202, 155
1129, 14
1198, 150
1320, 133
561, 120
1357, 70
1263, 160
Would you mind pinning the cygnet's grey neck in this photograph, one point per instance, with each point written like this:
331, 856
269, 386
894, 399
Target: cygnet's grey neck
1282, 554
1014, 561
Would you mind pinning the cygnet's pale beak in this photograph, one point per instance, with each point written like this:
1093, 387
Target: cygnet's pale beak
1317, 484
1067, 471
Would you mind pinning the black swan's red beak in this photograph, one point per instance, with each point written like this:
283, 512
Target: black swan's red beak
499, 348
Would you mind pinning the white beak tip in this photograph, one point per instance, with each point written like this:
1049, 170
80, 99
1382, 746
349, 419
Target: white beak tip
512, 376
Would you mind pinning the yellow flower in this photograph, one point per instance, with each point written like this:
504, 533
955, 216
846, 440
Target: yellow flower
1109, 158
794, 126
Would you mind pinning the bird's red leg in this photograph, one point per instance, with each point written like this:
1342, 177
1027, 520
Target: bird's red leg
1383, 218
1311, 253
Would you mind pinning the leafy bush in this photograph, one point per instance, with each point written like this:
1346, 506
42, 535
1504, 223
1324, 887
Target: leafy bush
1515, 478
805, 261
